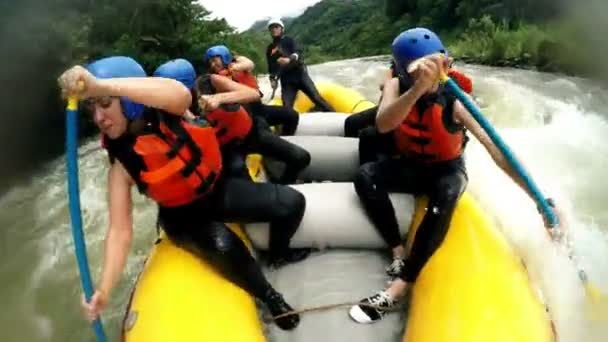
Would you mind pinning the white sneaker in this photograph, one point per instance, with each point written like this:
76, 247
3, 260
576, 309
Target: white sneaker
372, 309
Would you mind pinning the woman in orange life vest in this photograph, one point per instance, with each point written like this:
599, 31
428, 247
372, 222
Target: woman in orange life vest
231, 124
357, 122
222, 99
374, 145
219, 61
236, 124
428, 126
177, 165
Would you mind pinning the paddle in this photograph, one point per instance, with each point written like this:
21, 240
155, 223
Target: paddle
274, 90
592, 291
75, 215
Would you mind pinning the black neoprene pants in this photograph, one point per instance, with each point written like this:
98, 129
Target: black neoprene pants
356, 122
290, 86
261, 140
283, 116
373, 145
443, 183
199, 227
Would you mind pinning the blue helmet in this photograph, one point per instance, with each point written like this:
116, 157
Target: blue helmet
219, 50
178, 69
415, 43
117, 67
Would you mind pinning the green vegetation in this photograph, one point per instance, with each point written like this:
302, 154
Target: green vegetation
41, 39
552, 35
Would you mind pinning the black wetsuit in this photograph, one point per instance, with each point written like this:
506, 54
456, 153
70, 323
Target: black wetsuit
374, 145
285, 117
199, 226
294, 75
356, 122
261, 140
443, 182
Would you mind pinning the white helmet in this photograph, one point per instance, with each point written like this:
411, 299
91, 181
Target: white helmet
276, 21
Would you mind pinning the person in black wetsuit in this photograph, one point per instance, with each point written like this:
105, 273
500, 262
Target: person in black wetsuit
372, 143
238, 133
223, 100
428, 127
179, 167
285, 63
221, 61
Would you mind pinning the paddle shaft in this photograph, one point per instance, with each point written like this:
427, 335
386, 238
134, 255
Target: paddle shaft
274, 90
545, 207
540, 199
75, 213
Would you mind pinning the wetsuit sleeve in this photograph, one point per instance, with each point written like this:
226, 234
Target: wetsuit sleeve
294, 52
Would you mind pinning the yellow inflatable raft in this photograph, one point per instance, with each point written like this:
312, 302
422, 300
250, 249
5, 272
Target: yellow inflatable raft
474, 289
179, 298
344, 100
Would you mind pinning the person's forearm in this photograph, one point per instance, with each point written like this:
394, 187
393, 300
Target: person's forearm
162, 93
390, 115
117, 246
243, 64
240, 96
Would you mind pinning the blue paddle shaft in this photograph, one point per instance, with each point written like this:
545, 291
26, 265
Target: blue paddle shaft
506, 151
540, 199
74, 199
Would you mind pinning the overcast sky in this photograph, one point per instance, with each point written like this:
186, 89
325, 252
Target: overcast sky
243, 13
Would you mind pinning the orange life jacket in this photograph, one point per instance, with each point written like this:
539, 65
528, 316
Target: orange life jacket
463, 81
424, 135
174, 163
231, 123
242, 77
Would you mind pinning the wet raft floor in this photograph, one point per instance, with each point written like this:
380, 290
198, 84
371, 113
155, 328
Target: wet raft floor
330, 277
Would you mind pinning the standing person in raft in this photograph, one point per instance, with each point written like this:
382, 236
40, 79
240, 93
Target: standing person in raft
179, 167
285, 63
429, 131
